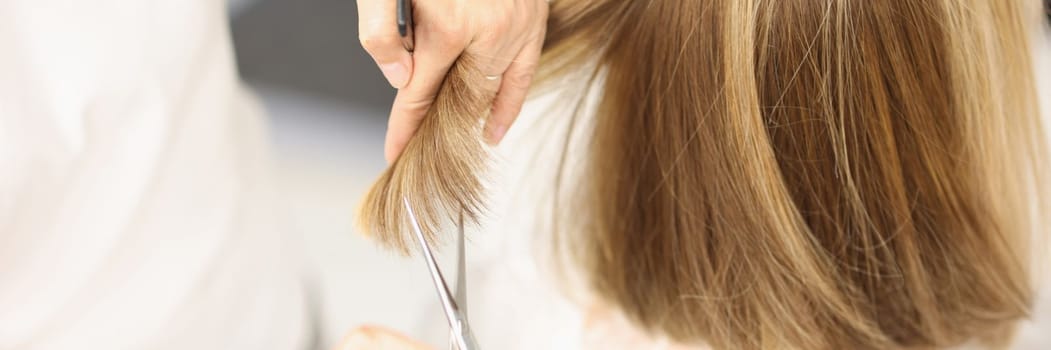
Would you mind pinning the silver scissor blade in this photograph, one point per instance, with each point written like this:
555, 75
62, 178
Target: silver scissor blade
461, 269
452, 313
461, 279
463, 337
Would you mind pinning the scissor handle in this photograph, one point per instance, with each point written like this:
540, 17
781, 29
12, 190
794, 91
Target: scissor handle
405, 25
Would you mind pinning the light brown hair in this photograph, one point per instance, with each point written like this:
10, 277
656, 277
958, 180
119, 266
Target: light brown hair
439, 170
839, 174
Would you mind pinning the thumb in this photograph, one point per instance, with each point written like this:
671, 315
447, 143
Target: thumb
378, 32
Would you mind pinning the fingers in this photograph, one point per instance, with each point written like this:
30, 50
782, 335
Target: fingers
493, 69
435, 53
378, 32
372, 338
498, 40
514, 88
505, 36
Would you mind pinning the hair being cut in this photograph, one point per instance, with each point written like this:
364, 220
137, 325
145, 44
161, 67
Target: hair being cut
838, 174
439, 170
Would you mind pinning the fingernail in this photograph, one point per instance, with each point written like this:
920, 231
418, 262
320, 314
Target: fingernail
397, 74
496, 133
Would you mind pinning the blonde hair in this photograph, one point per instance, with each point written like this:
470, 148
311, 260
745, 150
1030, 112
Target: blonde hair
839, 174
438, 172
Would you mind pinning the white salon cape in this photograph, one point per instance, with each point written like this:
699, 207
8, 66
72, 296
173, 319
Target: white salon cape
133, 193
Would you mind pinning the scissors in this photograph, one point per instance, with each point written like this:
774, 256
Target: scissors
405, 25
461, 336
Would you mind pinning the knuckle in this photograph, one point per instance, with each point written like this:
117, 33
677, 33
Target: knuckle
496, 24
412, 110
521, 78
378, 44
506, 21
453, 36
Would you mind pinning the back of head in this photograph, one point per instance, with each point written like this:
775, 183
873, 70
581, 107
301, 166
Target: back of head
806, 174
838, 174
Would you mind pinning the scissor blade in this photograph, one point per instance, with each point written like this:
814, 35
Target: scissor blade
463, 337
461, 270
452, 312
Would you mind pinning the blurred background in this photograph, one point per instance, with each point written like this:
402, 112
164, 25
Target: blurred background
327, 104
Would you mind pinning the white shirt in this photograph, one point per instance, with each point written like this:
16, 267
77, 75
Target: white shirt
134, 204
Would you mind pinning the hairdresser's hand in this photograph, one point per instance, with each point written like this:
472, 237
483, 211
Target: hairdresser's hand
377, 338
504, 35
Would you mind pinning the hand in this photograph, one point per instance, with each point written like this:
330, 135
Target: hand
505, 36
378, 338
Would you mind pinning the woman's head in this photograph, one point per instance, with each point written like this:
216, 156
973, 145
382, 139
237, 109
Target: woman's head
807, 174
781, 174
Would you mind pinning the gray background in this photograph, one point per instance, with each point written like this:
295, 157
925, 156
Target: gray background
308, 45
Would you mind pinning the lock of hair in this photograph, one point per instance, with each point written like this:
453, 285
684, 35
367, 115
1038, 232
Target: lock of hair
439, 170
